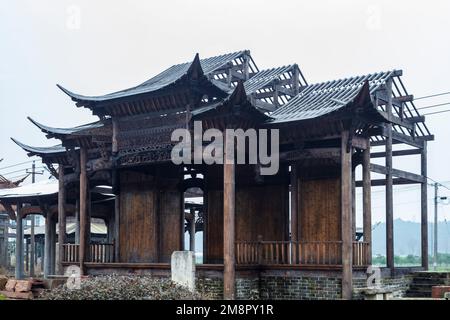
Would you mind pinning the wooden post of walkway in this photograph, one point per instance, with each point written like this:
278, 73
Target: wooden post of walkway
83, 210
229, 220
367, 202
19, 243
61, 219
346, 218
424, 207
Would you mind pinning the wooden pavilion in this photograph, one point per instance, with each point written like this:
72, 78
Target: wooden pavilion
302, 218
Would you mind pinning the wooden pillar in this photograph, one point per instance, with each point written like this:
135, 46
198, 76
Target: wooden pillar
32, 246
77, 221
19, 272
424, 207
192, 232
47, 246
27, 255
52, 245
346, 218
389, 185
353, 204
229, 221
116, 228
294, 202
61, 219
367, 202
83, 248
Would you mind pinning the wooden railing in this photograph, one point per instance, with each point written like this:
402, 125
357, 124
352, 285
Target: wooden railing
98, 253
71, 253
101, 253
361, 253
326, 253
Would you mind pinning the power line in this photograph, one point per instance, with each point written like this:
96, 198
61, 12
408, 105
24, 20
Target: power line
5, 174
434, 105
439, 184
18, 164
432, 95
436, 112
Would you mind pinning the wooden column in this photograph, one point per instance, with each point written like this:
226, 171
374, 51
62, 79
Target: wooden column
424, 207
389, 185
47, 246
353, 204
83, 248
27, 255
192, 232
53, 245
367, 202
19, 272
294, 202
61, 219
77, 221
229, 221
32, 246
346, 218
117, 228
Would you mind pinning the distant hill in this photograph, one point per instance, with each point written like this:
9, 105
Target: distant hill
407, 238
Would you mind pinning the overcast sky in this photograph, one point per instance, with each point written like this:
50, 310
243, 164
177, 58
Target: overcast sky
102, 46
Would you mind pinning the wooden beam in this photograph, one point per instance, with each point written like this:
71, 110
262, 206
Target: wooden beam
61, 219
400, 99
396, 153
313, 153
360, 142
424, 208
83, 248
397, 173
229, 222
367, 203
382, 182
346, 218
396, 120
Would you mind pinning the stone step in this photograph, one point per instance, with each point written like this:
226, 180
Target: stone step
414, 294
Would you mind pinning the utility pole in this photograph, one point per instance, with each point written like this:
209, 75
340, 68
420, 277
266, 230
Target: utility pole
32, 219
436, 186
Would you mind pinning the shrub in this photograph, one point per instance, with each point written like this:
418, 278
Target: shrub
117, 287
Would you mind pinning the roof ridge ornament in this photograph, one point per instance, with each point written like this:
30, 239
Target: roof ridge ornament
195, 70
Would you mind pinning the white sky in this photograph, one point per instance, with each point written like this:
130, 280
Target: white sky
111, 45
